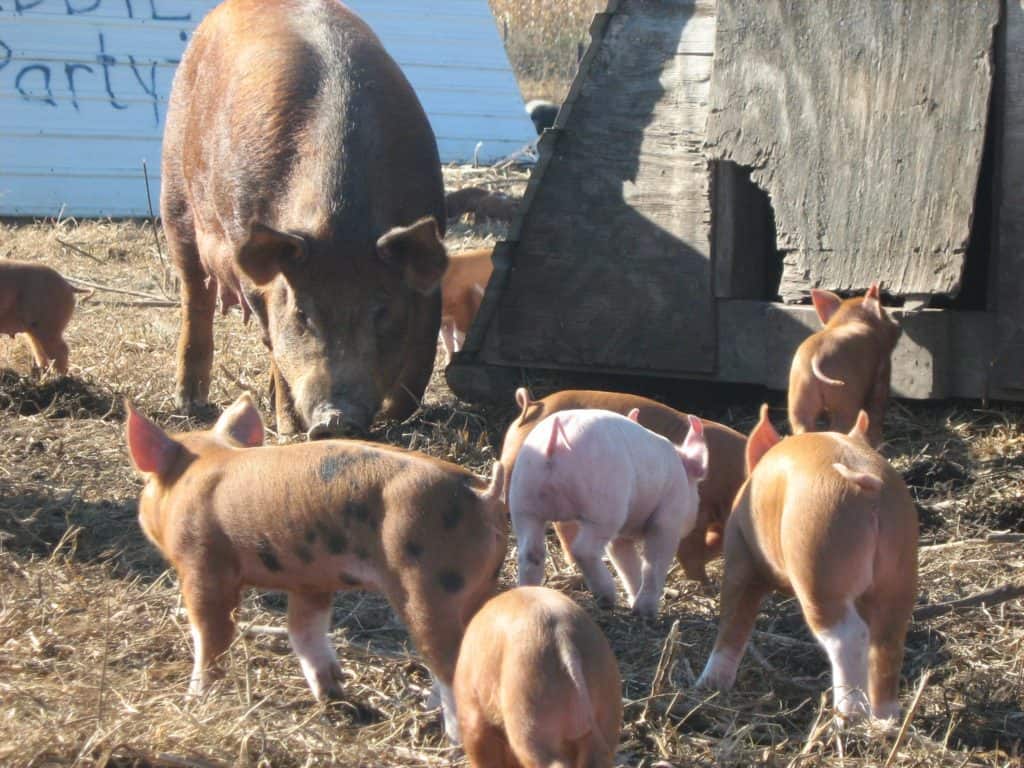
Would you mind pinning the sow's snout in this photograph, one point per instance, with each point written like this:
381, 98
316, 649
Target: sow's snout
332, 422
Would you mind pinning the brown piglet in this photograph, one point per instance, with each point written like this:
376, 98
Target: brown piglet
37, 301
313, 518
825, 517
844, 367
725, 470
462, 290
537, 685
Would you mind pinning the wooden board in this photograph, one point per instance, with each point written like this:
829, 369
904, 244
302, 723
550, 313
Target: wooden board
1008, 275
940, 354
865, 124
610, 266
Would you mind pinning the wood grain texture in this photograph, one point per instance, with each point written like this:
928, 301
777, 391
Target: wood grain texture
940, 353
1008, 282
865, 124
611, 268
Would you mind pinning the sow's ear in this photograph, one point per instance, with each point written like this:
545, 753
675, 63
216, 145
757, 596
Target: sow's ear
825, 304
150, 447
418, 251
241, 422
268, 252
761, 440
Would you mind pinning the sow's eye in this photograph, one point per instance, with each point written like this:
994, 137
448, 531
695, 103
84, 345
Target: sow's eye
305, 325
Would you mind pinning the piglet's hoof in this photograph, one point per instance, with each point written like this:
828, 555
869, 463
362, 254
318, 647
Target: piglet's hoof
645, 610
191, 406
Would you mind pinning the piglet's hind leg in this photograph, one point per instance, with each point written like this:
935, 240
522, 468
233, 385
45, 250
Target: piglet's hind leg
660, 544
532, 550
846, 643
587, 549
309, 621
742, 592
627, 564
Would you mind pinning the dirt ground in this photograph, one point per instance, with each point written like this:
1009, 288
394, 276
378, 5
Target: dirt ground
94, 649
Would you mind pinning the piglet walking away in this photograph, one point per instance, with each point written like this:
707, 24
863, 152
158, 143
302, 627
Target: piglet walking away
312, 518
37, 301
462, 290
826, 518
537, 685
725, 475
619, 483
845, 367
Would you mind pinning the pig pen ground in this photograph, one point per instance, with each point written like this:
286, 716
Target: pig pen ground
95, 653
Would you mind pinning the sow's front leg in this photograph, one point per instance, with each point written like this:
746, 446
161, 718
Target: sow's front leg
195, 342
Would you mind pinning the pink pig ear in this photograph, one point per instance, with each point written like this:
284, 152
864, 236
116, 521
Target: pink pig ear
694, 450
825, 304
761, 439
872, 292
150, 447
634, 415
241, 423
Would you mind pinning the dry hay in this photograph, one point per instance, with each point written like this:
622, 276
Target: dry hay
94, 651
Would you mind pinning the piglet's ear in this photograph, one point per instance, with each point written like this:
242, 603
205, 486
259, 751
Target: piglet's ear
694, 450
152, 451
860, 429
634, 415
872, 292
523, 401
825, 304
241, 423
418, 251
761, 439
496, 489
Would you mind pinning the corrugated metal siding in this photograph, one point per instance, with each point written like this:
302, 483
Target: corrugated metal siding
84, 86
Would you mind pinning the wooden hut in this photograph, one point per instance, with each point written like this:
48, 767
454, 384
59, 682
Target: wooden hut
714, 161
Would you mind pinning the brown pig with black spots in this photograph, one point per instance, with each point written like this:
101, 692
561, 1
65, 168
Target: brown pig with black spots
313, 518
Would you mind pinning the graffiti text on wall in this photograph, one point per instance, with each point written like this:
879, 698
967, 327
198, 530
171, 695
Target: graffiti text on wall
55, 84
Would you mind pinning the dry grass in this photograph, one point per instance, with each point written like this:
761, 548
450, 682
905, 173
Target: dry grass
542, 38
94, 653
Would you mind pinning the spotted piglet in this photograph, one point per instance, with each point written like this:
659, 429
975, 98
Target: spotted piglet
313, 518
621, 484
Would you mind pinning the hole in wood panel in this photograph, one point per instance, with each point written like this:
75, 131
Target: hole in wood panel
746, 262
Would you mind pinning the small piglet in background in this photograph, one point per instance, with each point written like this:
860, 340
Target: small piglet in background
462, 290
313, 518
845, 367
824, 517
536, 684
726, 469
37, 301
620, 483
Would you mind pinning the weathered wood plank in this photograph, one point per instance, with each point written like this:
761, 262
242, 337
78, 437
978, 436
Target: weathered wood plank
1008, 282
940, 353
612, 265
865, 124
